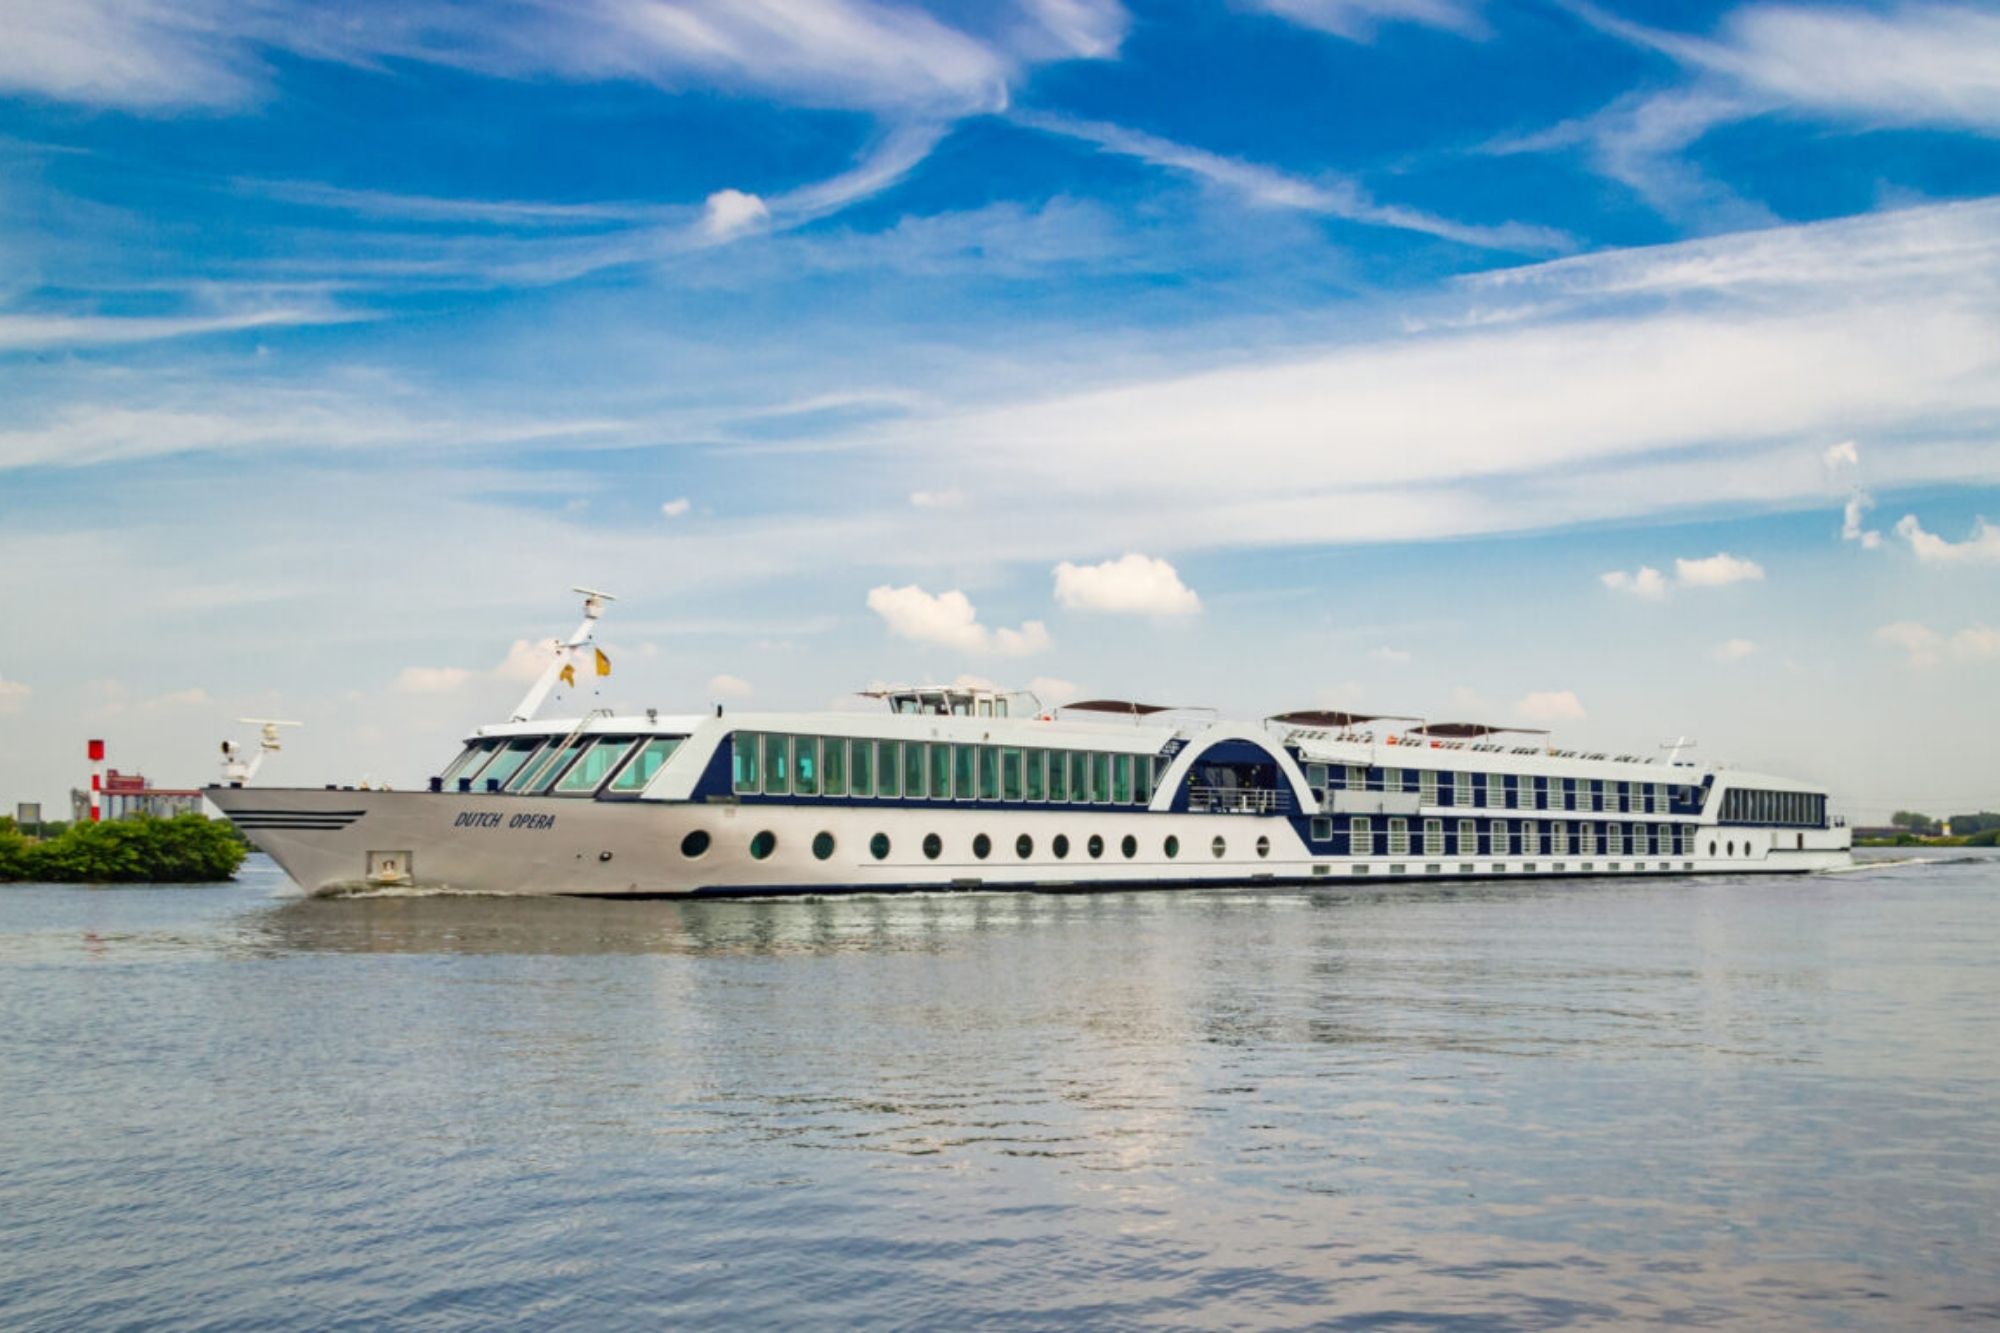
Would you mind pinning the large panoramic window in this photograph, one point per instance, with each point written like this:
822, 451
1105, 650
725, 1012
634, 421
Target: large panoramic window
913, 769
1121, 779
639, 770
964, 760
805, 765
469, 760
748, 747
509, 761
940, 771
889, 769
1100, 778
1058, 776
1010, 774
552, 760
596, 764
861, 769
1037, 774
777, 765
833, 771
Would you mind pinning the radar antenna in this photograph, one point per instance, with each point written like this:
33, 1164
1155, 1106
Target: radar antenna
1674, 748
237, 770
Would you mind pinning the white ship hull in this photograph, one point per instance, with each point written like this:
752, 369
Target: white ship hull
330, 841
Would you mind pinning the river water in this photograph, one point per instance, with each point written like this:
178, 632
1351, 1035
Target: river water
1767, 1103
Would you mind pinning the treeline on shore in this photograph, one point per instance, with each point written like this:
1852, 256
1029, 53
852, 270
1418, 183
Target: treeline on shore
1916, 828
187, 849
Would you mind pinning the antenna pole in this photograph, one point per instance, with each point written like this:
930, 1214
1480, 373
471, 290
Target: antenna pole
593, 608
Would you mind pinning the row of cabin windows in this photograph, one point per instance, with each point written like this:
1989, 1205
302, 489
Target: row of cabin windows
562, 765
1501, 837
769, 764
1506, 791
1746, 805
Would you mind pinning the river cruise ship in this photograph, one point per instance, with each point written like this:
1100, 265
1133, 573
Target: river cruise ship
947, 787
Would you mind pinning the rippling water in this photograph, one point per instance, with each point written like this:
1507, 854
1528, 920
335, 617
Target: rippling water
1520, 1106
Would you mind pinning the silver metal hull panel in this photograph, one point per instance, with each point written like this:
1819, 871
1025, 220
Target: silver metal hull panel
336, 840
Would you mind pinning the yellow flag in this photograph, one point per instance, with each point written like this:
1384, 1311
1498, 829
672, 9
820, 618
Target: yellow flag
568, 674
603, 662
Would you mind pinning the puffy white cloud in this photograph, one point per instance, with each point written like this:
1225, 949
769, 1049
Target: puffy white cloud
731, 212
676, 508
1927, 647
949, 619
430, 680
13, 695
1052, 690
1981, 547
1717, 571
1845, 454
1550, 706
1850, 521
526, 660
1732, 650
951, 499
1133, 584
726, 686
1643, 582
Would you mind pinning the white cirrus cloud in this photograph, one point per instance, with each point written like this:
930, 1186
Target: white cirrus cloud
1133, 585
430, 680
950, 499
1717, 571
13, 695
1267, 187
1982, 547
949, 619
1732, 650
1644, 581
1357, 20
1550, 706
726, 686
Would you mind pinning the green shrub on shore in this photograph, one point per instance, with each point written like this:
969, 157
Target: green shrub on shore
187, 849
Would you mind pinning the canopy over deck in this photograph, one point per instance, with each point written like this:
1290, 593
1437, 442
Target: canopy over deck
1334, 718
1463, 731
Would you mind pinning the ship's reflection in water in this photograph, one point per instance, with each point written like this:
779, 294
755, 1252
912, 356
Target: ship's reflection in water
1508, 1105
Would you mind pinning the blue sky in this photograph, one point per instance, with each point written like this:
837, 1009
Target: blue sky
1629, 369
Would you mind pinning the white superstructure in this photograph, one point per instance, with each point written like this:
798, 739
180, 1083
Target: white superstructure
948, 787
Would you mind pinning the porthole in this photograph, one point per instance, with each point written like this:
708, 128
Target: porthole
1024, 846
694, 844
1172, 847
1732, 849
1130, 847
933, 846
763, 844
878, 847
982, 846
1060, 845
822, 845
1711, 847
1219, 846
1263, 845
1096, 845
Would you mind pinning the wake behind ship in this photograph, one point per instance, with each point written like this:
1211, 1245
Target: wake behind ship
950, 787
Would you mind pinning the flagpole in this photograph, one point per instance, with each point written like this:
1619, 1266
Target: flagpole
593, 608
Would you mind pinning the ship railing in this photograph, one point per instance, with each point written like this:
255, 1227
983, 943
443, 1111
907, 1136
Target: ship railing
1238, 801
